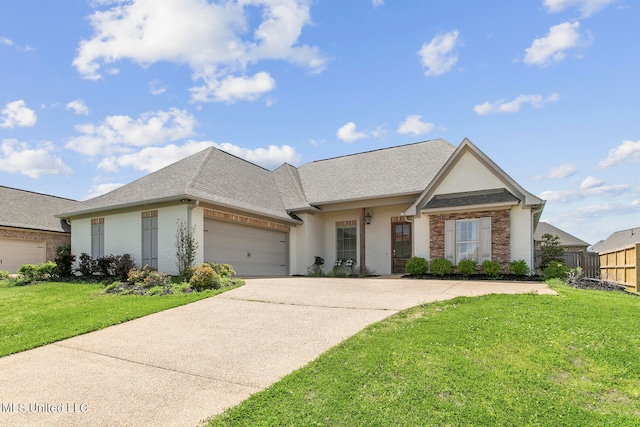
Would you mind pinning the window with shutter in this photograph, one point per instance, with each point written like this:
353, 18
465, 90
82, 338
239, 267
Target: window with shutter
467, 239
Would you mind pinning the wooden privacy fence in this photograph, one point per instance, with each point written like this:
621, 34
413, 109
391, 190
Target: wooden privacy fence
589, 262
622, 266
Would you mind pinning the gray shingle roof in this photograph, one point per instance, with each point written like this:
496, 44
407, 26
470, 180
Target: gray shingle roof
618, 240
471, 198
397, 170
25, 209
218, 177
566, 239
210, 175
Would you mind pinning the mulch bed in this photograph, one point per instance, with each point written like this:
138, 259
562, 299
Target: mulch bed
502, 277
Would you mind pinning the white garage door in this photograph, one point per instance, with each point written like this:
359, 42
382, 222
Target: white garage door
14, 253
252, 251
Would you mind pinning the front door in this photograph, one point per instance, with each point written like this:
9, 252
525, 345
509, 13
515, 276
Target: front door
400, 246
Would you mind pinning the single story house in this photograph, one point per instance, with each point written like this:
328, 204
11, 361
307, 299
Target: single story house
374, 209
569, 242
29, 231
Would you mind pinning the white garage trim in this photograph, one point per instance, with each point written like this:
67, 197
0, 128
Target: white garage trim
14, 253
252, 251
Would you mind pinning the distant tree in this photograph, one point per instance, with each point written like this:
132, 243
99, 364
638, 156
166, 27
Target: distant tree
552, 250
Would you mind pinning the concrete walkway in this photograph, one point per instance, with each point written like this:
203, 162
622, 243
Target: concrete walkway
180, 366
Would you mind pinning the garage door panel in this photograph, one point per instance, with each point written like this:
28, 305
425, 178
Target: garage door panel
15, 253
250, 250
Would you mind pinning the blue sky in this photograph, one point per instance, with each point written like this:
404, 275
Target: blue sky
97, 93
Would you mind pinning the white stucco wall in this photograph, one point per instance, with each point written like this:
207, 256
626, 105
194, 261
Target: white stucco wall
123, 234
522, 235
197, 223
469, 174
305, 242
421, 237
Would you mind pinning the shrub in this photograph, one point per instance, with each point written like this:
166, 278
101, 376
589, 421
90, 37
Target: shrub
556, 270
337, 272
154, 279
138, 276
38, 272
123, 264
315, 270
204, 277
64, 261
519, 267
491, 268
106, 265
441, 266
87, 265
186, 246
4, 275
417, 266
223, 270
467, 267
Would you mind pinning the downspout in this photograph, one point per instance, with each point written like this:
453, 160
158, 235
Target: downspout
363, 256
189, 209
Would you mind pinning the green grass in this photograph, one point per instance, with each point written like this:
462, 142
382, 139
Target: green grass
38, 314
498, 360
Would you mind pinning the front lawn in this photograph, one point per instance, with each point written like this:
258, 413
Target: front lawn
38, 314
498, 360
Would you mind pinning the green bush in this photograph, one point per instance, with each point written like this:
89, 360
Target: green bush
467, 267
491, 268
38, 272
4, 275
519, 267
204, 277
441, 267
556, 270
337, 272
154, 279
223, 270
315, 270
417, 266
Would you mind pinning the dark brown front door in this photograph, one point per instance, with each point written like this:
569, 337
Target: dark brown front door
400, 245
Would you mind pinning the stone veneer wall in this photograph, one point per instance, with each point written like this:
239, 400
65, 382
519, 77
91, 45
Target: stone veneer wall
500, 233
51, 239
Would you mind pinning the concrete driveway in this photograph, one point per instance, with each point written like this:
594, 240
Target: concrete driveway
180, 366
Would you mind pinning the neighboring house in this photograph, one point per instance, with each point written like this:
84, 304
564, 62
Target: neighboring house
567, 241
29, 231
620, 257
373, 209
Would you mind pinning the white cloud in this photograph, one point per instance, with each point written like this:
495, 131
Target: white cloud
437, 56
583, 193
232, 89
563, 171
17, 114
414, 125
590, 182
587, 7
6, 41
627, 152
502, 106
217, 40
151, 159
348, 133
119, 134
272, 156
78, 106
553, 47
17, 157
156, 87
100, 189
377, 3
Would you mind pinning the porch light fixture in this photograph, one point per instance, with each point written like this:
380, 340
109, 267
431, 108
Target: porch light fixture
367, 218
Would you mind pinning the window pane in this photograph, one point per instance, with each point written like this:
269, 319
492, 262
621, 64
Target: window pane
467, 243
346, 241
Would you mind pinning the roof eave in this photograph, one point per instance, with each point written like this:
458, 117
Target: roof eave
477, 207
